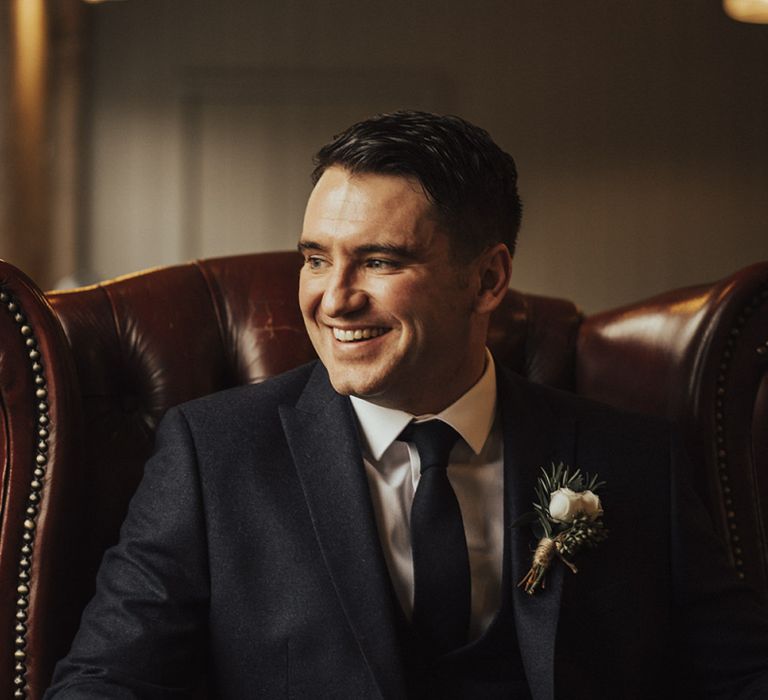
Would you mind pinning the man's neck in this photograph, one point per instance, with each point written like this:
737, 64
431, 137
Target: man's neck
471, 415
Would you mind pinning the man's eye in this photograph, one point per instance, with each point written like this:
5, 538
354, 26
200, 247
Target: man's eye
313, 262
381, 264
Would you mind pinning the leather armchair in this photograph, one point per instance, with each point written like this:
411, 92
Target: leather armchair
85, 376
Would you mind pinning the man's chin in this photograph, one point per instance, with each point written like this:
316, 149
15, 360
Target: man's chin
351, 389
362, 388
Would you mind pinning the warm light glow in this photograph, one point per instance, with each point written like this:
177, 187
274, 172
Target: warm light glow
755, 11
29, 76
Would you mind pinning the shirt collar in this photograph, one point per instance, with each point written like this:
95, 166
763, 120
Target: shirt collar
471, 415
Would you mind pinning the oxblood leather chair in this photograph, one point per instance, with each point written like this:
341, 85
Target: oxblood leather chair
86, 375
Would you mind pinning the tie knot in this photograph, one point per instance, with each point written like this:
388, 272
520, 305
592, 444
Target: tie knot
433, 439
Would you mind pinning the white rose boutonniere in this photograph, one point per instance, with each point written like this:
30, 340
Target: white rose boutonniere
569, 514
565, 504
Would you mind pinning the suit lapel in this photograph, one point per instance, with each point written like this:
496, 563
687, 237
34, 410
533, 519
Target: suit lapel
326, 451
534, 437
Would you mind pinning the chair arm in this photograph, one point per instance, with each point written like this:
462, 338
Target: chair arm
699, 356
37, 419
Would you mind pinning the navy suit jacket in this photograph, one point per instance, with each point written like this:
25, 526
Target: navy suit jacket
250, 556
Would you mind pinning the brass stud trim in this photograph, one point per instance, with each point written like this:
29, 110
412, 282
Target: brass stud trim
721, 398
36, 488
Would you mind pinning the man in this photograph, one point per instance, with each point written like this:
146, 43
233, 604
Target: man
324, 534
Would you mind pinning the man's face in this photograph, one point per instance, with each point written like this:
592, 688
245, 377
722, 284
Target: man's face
389, 312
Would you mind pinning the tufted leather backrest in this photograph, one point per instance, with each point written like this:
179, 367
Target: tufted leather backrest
149, 341
112, 358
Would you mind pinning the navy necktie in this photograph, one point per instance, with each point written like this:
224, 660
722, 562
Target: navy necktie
441, 575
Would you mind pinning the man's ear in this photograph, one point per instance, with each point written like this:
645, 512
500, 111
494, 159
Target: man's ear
494, 270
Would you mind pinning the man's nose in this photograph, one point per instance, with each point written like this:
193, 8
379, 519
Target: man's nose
343, 295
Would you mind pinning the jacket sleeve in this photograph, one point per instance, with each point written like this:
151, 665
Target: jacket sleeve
144, 633
723, 623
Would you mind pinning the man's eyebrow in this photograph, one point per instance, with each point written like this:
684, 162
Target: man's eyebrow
400, 251
308, 245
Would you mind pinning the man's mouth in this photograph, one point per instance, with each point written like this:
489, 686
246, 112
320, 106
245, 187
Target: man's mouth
358, 334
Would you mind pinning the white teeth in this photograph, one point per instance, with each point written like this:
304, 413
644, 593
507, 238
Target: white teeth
357, 334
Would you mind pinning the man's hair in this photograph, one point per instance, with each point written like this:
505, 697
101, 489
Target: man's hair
470, 181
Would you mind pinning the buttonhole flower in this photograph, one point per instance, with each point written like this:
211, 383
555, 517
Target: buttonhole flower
568, 513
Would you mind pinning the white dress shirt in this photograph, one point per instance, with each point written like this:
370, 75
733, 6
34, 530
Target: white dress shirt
475, 470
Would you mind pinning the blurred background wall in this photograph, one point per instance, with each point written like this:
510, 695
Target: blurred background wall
185, 128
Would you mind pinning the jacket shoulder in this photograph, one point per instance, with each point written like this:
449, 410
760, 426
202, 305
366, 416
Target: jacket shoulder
590, 413
260, 399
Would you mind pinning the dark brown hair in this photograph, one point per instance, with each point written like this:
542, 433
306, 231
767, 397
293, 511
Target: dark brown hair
470, 181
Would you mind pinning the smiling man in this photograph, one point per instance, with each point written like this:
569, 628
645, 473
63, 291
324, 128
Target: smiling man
347, 529
390, 305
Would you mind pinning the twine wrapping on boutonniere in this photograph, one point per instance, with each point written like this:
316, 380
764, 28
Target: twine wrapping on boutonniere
569, 514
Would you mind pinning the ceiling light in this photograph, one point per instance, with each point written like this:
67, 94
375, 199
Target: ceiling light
755, 11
